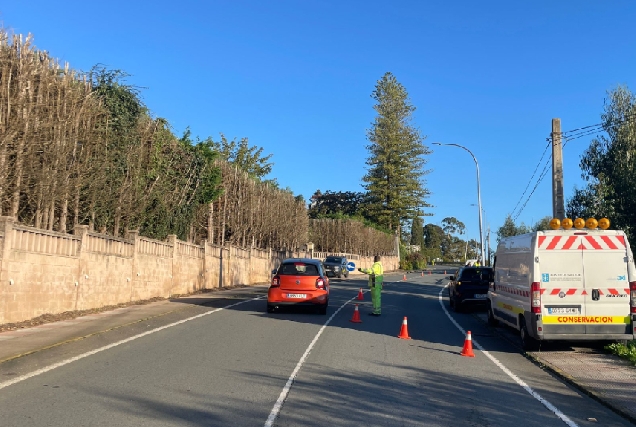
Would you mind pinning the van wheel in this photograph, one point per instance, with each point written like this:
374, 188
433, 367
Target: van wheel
527, 342
491, 317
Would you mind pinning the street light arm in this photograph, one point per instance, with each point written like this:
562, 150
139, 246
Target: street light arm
481, 233
463, 148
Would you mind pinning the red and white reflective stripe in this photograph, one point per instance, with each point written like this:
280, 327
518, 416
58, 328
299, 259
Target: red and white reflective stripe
578, 291
512, 290
596, 243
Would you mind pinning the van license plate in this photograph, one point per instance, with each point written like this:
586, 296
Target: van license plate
564, 310
481, 296
296, 295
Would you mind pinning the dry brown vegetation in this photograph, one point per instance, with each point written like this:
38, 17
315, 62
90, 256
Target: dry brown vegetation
349, 236
46, 117
252, 213
68, 158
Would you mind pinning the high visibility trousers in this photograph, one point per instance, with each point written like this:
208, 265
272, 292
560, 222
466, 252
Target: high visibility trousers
376, 293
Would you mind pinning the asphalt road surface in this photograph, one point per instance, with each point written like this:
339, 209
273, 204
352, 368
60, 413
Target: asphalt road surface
229, 363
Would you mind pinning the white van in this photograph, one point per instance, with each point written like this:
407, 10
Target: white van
577, 284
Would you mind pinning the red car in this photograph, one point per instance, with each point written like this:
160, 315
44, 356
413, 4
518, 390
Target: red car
299, 282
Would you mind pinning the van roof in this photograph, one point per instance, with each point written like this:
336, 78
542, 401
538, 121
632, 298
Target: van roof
523, 242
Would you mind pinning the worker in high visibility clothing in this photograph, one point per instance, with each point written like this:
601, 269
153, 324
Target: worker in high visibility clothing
376, 281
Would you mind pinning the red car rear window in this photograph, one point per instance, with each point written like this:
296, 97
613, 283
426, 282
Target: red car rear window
298, 269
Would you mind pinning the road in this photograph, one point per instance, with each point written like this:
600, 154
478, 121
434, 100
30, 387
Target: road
229, 363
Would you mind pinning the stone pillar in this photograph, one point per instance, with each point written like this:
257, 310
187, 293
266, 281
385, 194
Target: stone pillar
134, 278
250, 264
80, 231
229, 266
6, 228
205, 265
172, 239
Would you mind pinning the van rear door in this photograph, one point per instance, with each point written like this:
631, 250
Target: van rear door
606, 283
562, 283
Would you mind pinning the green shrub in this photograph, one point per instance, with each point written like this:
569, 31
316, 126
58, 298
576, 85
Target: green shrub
416, 260
406, 265
626, 351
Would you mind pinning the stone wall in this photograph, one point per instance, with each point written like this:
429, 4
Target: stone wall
45, 272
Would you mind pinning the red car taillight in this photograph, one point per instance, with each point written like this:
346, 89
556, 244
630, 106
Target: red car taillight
320, 283
632, 289
535, 297
275, 282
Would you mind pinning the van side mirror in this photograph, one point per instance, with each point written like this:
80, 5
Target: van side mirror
274, 272
451, 277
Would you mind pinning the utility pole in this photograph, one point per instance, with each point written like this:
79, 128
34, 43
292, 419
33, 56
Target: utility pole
558, 205
488, 244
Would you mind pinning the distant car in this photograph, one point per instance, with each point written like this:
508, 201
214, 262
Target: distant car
299, 282
469, 286
336, 266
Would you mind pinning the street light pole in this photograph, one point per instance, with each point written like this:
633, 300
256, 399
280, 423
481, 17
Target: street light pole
481, 232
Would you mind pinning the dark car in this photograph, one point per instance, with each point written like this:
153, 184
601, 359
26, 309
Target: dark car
336, 266
469, 286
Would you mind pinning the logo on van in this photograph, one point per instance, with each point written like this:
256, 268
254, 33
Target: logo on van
545, 277
621, 278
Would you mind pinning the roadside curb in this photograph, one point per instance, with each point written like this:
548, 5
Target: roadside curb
159, 313
548, 367
92, 334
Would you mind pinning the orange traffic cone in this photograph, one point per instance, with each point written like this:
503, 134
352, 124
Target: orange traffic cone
360, 295
404, 277
404, 332
468, 346
356, 316
422, 272
444, 271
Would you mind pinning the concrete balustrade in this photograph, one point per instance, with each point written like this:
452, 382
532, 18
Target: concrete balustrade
46, 272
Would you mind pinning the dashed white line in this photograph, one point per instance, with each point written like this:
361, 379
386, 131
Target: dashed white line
109, 346
283, 394
501, 366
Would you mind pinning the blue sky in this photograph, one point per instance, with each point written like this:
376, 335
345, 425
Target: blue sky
295, 77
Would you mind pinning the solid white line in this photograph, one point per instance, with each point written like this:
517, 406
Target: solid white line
283, 394
501, 366
109, 346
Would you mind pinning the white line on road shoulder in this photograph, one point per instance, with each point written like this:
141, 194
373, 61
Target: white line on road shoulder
501, 366
115, 344
283, 394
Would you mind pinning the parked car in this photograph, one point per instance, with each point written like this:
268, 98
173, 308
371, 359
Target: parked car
469, 286
299, 282
336, 266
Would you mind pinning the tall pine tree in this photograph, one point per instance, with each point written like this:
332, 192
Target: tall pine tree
396, 161
417, 232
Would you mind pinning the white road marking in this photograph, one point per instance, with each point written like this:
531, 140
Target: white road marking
501, 366
283, 394
115, 344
